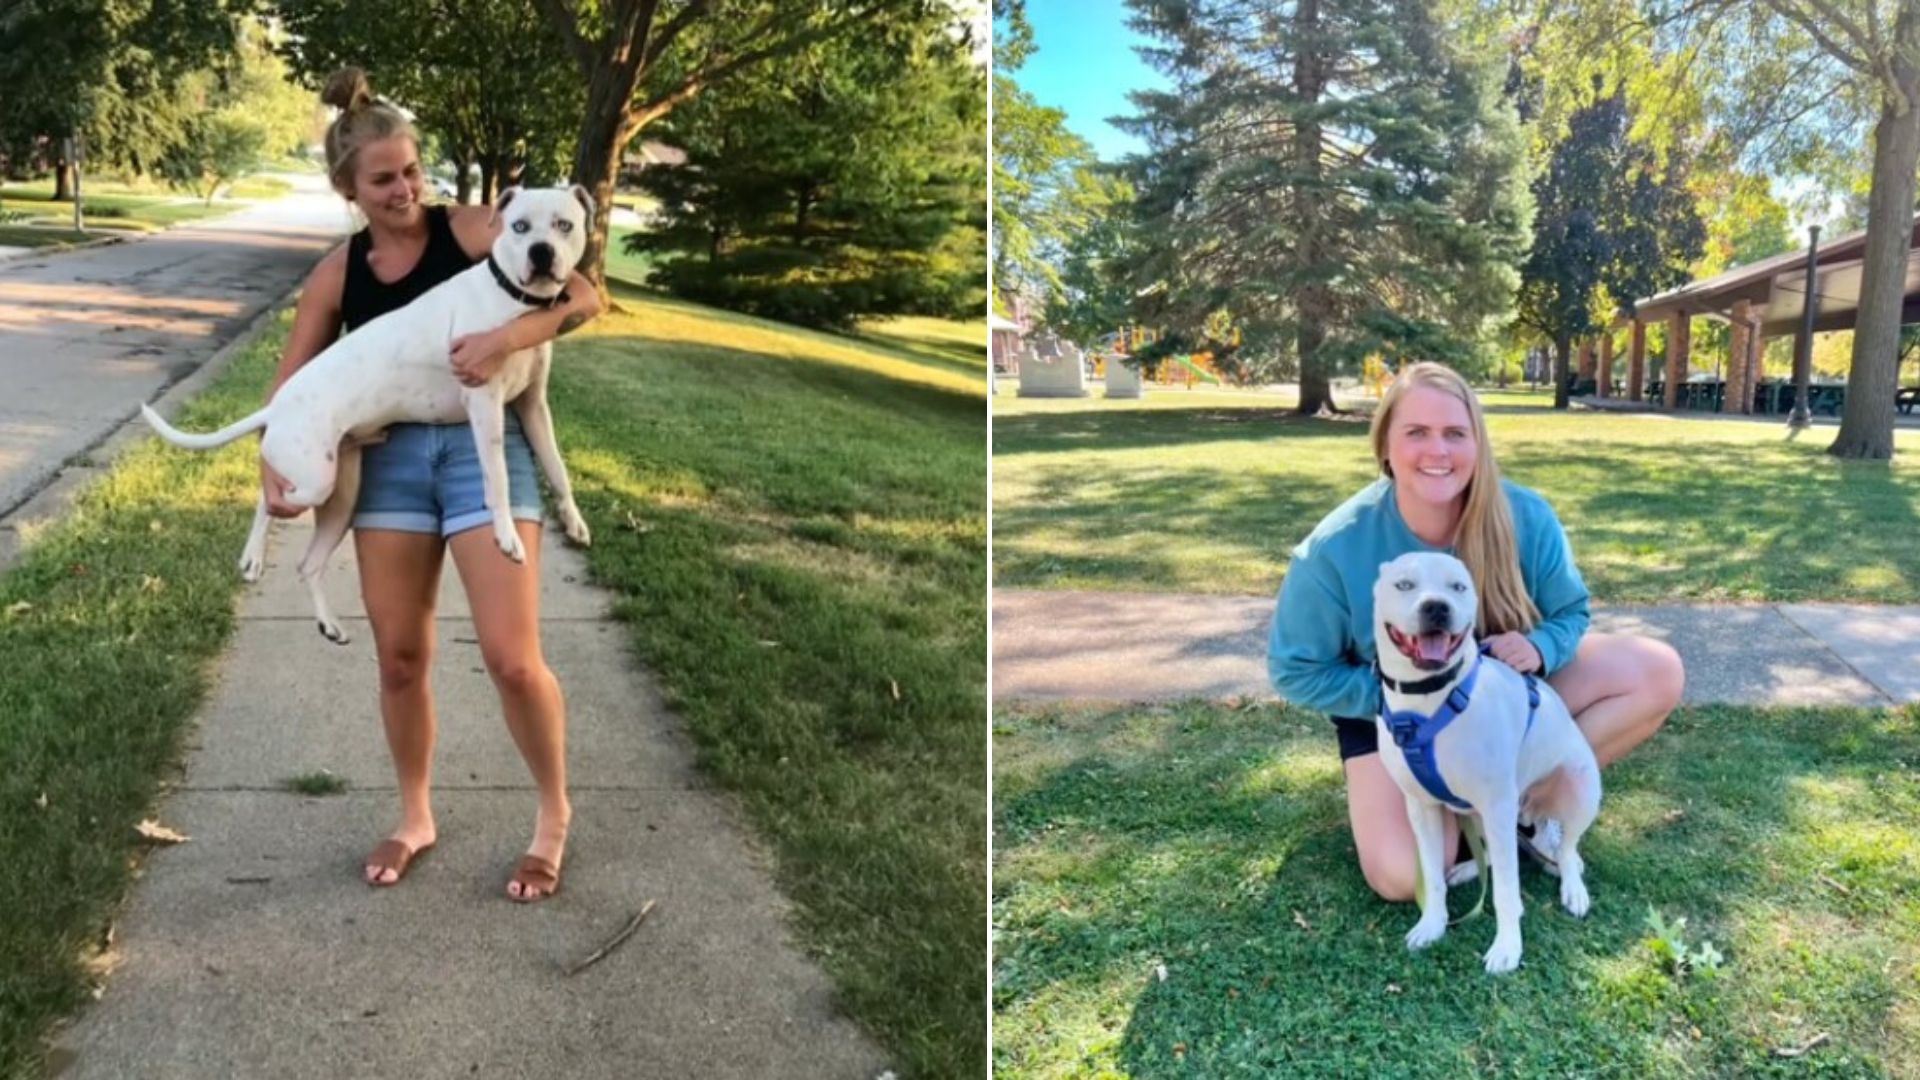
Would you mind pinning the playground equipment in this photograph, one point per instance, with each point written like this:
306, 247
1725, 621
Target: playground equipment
1375, 376
1123, 380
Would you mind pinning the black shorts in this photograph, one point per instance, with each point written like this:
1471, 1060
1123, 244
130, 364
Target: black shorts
1358, 738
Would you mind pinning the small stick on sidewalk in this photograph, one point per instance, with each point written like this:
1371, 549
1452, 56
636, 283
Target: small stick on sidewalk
601, 953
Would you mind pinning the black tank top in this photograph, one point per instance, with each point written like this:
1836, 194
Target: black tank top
365, 297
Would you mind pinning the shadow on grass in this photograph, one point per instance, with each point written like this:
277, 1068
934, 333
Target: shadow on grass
1212, 846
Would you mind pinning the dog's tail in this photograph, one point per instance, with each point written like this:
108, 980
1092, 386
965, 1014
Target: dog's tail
208, 441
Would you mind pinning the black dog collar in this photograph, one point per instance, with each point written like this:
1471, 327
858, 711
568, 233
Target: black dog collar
522, 295
1420, 686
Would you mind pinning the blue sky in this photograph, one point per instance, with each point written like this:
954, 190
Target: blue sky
1084, 63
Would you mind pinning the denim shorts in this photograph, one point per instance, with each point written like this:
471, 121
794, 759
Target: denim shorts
426, 478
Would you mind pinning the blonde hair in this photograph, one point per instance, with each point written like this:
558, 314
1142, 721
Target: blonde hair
1484, 539
362, 120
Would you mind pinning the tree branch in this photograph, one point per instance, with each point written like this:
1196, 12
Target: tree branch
653, 47
566, 24
1786, 10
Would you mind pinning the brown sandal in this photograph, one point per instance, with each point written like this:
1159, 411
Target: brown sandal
392, 855
535, 872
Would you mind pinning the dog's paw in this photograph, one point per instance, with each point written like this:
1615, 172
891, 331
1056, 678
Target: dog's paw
252, 567
1505, 954
1427, 931
510, 546
1573, 896
332, 632
576, 525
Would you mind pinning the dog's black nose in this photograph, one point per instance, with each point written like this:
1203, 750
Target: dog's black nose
1435, 615
541, 255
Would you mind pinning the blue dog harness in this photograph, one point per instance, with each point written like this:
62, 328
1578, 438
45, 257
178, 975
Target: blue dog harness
1414, 732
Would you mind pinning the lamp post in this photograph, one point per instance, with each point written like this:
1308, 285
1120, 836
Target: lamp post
1803, 344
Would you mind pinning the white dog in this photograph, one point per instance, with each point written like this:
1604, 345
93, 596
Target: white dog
395, 369
1464, 730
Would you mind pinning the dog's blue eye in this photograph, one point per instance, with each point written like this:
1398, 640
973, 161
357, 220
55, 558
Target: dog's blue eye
1403, 586
564, 226
520, 226
1457, 587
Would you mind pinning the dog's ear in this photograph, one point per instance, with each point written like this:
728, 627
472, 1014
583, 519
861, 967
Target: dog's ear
585, 198
500, 204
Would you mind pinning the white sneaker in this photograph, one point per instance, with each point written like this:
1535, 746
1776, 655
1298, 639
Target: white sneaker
1543, 846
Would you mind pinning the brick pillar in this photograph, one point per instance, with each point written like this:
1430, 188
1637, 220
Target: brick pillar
1585, 368
1679, 343
1739, 395
1637, 363
1603, 375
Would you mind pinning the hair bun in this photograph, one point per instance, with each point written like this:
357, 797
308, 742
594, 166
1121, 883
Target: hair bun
347, 90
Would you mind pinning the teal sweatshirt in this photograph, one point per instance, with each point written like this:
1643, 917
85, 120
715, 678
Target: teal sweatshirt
1320, 650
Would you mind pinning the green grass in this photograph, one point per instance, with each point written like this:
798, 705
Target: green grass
621, 265
315, 783
35, 236
109, 209
1208, 491
796, 529
1211, 844
960, 346
793, 526
110, 624
258, 187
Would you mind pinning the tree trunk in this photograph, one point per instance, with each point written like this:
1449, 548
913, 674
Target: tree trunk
604, 134
1562, 370
1866, 425
486, 181
463, 184
62, 180
1312, 304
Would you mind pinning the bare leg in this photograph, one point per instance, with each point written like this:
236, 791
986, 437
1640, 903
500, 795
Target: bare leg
505, 597
1620, 690
399, 581
1377, 809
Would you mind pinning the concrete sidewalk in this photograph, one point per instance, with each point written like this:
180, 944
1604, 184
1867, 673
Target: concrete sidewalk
1159, 646
255, 950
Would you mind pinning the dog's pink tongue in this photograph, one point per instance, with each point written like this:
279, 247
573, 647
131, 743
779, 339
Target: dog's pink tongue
1432, 647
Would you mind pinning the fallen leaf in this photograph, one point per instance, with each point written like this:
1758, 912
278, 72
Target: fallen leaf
1179, 1049
41, 802
18, 607
1300, 921
765, 644
149, 583
1393, 988
896, 689
1672, 816
158, 833
154, 525
1160, 972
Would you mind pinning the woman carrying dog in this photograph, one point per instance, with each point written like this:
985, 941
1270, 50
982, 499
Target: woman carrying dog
421, 492
1440, 490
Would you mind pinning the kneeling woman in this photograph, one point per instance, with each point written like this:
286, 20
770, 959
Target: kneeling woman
1440, 490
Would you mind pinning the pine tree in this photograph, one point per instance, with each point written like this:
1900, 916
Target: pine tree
848, 181
1342, 178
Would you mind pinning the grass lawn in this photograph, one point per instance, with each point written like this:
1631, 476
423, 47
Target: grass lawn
961, 346
747, 483
108, 209
1175, 894
1208, 491
622, 266
37, 236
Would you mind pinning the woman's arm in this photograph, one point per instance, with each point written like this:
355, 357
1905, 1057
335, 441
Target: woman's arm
1309, 658
316, 324
477, 357
1557, 590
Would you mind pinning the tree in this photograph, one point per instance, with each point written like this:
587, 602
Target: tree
1095, 295
106, 71
1342, 178
642, 59
1797, 79
1040, 190
847, 180
484, 76
1610, 226
235, 112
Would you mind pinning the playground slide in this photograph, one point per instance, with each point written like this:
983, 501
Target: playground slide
1198, 372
